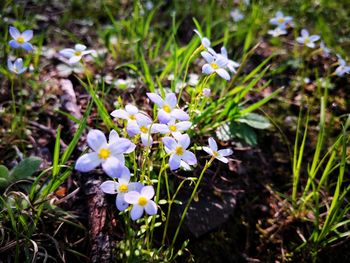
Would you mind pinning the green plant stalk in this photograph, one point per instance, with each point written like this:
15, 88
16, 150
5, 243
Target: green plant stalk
207, 165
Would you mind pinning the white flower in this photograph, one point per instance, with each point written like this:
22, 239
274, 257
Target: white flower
277, 32
218, 154
110, 155
144, 127
280, 20
167, 108
121, 187
231, 65
325, 49
306, 39
215, 64
20, 40
141, 201
177, 150
173, 127
236, 15
342, 69
130, 113
75, 55
17, 66
194, 79
205, 42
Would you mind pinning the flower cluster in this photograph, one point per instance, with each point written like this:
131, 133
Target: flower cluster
281, 22
76, 54
19, 41
217, 63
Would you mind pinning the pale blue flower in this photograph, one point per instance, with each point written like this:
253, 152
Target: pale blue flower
17, 66
121, 187
130, 113
168, 108
236, 15
144, 128
173, 127
20, 40
206, 92
306, 39
280, 20
218, 154
141, 201
277, 32
325, 49
75, 55
343, 68
215, 64
110, 155
231, 65
204, 41
177, 150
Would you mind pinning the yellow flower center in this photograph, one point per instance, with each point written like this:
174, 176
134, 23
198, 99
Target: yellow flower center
280, 20
144, 129
214, 65
307, 40
77, 53
215, 154
123, 188
20, 40
104, 153
166, 108
173, 128
132, 117
179, 150
142, 201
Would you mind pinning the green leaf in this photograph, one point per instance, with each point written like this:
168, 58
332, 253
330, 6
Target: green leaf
232, 130
4, 172
255, 120
26, 168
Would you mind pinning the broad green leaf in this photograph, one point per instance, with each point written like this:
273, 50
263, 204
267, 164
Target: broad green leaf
26, 168
232, 130
4, 172
255, 120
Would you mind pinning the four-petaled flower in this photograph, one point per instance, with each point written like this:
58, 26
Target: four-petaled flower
236, 15
205, 42
17, 66
277, 32
141, 201
306, 39
121, 187
177, 150
75, 55
110, 155
131, 113
218, 154
343, 68
215, 64
167, 108
20, 40
280, 20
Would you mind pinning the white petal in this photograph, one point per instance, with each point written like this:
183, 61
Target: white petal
207, 69
132, 197
222, 159
67, 52
180, 115
112, 167
189, 158
14, 32
79, 47
304, 33
133, 129
162, 128
208, 150
174, 162
212, 144
96, 139
171, 100
151, 208
113, 136
87, 162
122, 114
27, 35
223, 73
146, 139
119, 146
205, 42
314, 38
109, 187
74, 59
225, 152
155, 98
184, 140
169, 142
136, 212
183, 125
207, 56
164, 117
135, 187
120, 202
148, 192
131, 109
18, 63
